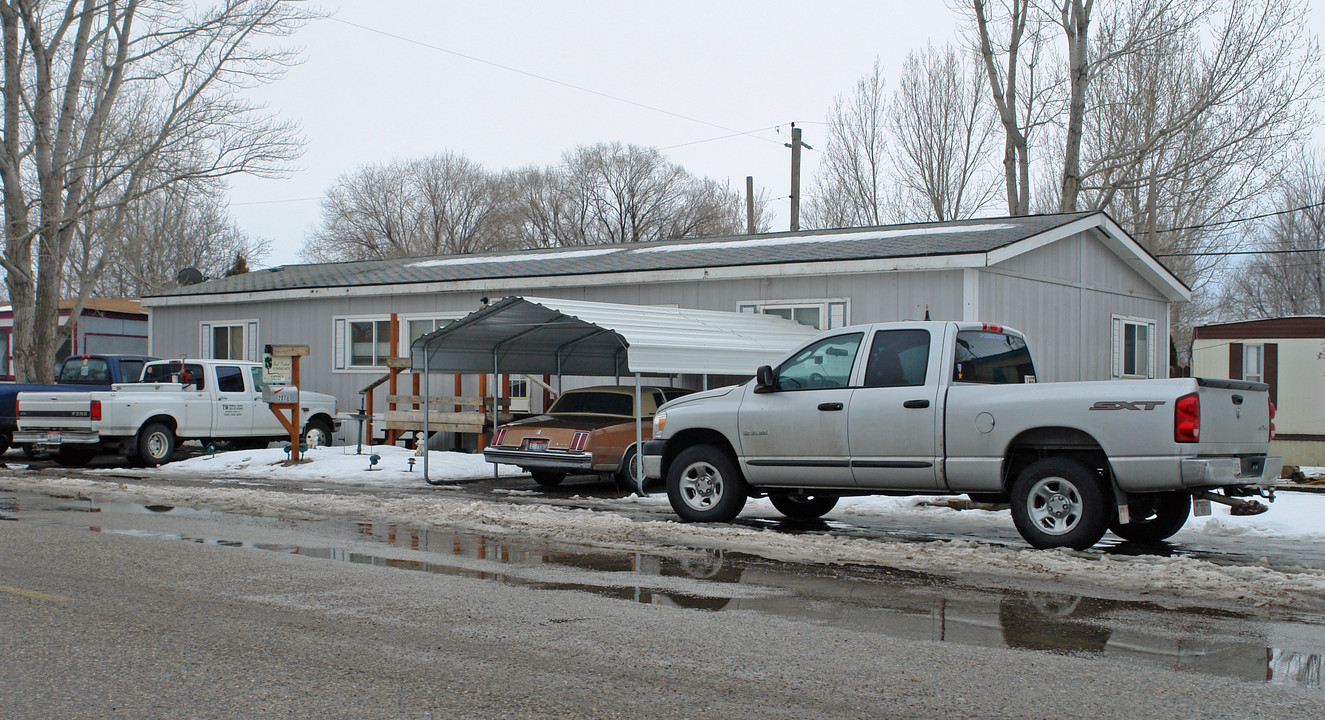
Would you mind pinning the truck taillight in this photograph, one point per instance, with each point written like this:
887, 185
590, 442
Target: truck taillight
499, 437
1271, 419
95, 411
1187, 419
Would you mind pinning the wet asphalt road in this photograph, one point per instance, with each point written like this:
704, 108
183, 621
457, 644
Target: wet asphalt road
132, 623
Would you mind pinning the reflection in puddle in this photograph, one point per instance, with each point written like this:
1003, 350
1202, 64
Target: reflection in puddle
867, 599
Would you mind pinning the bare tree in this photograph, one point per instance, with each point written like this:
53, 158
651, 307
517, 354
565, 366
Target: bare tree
1011, 39
614, 193
942, 133
851, 187
436, 205
108, 101
1289, 279
163, 233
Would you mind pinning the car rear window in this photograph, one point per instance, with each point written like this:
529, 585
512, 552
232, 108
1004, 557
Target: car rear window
85, 371
986, 356
596, 403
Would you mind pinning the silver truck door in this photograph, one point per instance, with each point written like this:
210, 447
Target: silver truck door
796, 433
893, 415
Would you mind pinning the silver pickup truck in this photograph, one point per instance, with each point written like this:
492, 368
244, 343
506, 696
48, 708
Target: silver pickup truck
954, 408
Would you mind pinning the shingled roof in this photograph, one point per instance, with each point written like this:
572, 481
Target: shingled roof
895, 241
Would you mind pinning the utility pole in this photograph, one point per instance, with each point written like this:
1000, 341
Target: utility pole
796, 146
750, 204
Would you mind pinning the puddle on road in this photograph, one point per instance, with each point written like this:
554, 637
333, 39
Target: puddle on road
869, 599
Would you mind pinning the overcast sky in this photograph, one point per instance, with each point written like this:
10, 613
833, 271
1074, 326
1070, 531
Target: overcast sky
409, 78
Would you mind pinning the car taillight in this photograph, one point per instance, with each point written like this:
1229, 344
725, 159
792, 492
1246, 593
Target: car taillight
95, 410
1271, 419
1187, 419
499, 437
578, 441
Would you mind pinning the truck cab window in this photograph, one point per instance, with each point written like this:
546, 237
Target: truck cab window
990, 357
229, 378
189, 374
897, 358
825, 364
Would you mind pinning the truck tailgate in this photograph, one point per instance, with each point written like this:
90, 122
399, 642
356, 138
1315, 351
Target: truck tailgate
1235, 417
65, 411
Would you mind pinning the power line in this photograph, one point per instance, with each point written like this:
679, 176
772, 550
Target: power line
274, 202
1224, 253
544, 78
1235, 221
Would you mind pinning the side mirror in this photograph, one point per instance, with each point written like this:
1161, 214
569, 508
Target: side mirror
764, 379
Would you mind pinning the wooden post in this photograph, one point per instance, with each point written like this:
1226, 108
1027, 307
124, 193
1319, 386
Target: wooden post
483, 393
293, 425
393, 346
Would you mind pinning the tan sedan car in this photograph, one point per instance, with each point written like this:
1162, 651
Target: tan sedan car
588, 430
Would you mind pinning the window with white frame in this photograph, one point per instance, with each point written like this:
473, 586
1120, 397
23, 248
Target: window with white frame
821, 314
519, 394
230, 340
365, 342
1133, 347
1253, 363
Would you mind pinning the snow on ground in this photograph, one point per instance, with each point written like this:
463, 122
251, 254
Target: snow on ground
340, 464
341, 477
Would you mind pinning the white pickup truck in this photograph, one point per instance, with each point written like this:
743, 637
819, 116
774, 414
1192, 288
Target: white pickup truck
950, 408
177, 400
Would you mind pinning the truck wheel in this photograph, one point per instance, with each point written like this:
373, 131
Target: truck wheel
803, 507
75, 456
703, 485
5, 440
1155, 516
1058, 503
317, 433
156, 445
547, 478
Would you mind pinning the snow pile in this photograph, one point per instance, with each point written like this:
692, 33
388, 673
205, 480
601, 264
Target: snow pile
339, 465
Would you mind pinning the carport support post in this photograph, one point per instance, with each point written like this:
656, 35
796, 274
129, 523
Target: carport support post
639, 440
496, 390
427, 407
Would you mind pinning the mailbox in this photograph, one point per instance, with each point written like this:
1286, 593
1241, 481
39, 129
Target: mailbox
280, 394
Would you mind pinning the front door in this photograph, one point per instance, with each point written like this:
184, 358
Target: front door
795, 433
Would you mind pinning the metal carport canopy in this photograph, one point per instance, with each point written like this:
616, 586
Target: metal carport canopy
573, 337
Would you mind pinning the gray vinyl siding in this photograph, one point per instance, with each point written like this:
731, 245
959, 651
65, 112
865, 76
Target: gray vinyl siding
1063, 297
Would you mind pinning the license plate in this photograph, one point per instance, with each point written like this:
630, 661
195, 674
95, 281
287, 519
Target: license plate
52, 437
536, 445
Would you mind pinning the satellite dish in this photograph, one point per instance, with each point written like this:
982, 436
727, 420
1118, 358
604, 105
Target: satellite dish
189, 276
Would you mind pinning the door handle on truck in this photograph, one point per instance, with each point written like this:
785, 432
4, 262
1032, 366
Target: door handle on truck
914, 404
830, 406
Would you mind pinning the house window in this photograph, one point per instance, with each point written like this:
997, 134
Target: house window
1253, 363
1133, 347
229, 340
419, 327
370, 343
5, 353
824, 314
519, 394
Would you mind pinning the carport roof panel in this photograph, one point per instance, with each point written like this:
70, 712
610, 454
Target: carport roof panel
529, 335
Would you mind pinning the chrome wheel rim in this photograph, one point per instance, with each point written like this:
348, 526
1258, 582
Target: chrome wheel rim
701, 486
1054, 506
